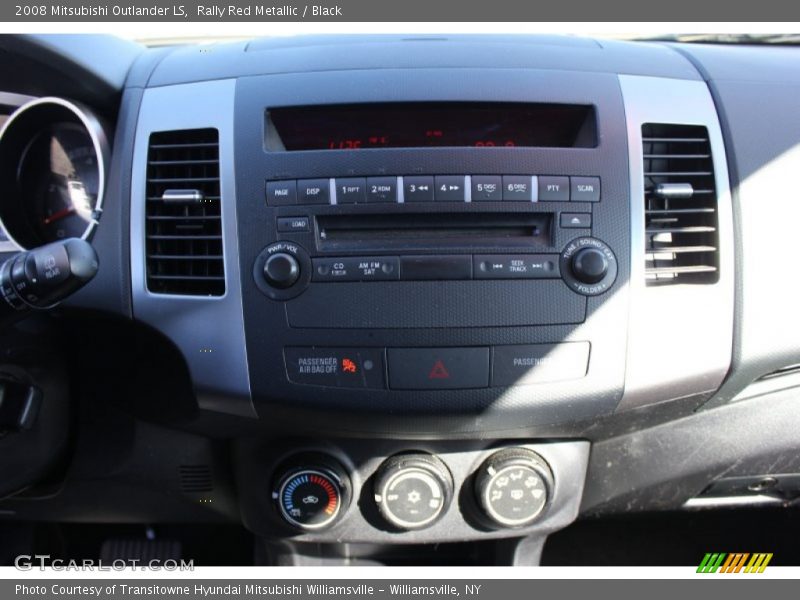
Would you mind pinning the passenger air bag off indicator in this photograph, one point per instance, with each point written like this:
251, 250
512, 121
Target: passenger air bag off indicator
336, 367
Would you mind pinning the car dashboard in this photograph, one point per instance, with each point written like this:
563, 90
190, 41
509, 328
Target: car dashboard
386, 290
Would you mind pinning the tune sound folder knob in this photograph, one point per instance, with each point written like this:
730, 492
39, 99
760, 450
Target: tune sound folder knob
589, 265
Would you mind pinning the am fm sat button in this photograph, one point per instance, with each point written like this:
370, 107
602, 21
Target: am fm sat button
360, 268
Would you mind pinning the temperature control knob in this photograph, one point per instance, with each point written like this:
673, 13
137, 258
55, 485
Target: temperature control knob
312, 497
513, 487
413, 490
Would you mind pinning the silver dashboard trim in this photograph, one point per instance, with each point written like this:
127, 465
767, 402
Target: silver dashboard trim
209, 331
680, 337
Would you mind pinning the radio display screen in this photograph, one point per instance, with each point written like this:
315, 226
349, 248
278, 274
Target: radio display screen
430, 124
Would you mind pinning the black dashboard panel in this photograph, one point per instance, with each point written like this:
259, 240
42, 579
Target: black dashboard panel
421, 314
443, 310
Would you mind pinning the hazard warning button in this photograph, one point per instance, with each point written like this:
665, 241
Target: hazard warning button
438, 368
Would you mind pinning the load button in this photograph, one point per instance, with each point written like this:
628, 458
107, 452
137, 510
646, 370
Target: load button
438, 368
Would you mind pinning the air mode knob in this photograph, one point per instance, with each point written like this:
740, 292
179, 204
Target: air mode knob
281, 270
413, 490
513, 487
589, 265
312, 492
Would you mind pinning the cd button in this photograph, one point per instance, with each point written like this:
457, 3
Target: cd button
313, 191
382, 189
380, 268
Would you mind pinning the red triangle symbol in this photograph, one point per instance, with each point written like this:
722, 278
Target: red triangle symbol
439, 371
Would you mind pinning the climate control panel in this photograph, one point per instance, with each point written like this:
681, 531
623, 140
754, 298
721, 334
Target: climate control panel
438, 493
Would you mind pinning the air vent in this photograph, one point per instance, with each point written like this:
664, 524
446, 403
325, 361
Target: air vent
195, 478
680, 205
184, 223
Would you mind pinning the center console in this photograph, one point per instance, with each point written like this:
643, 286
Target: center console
456, 252
428, 284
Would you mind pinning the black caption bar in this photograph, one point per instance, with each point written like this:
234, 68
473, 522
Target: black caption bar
465, 11
732, 588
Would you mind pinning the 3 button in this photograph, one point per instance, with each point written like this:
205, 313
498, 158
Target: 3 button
418, 188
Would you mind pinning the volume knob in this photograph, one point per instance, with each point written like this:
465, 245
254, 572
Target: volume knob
281, 270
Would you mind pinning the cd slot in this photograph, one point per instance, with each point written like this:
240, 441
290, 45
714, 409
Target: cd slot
433, 231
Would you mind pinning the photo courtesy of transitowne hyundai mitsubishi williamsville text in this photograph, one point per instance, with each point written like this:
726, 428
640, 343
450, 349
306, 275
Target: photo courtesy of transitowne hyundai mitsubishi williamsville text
311, 589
